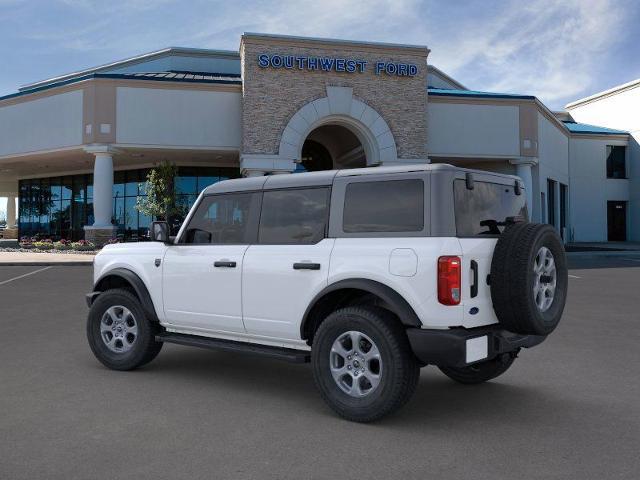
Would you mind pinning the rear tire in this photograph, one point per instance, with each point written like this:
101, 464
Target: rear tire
370, 342
119, 332
480, 372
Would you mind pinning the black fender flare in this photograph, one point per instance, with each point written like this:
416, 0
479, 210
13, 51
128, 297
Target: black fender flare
396, 302
136, 283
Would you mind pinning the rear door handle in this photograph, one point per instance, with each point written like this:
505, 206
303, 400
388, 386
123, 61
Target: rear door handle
306, 266
224, 263
474, 286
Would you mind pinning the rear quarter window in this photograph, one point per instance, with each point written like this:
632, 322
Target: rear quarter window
484, 210
384, 206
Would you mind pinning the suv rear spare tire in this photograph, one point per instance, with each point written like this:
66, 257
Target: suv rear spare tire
529, 279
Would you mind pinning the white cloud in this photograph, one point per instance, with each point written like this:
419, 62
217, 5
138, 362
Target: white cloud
547, 48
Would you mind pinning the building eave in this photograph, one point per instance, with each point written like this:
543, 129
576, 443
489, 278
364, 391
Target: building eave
605, 93
319, 41
116, 76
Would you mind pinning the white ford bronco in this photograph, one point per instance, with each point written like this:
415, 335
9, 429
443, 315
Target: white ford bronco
369, 274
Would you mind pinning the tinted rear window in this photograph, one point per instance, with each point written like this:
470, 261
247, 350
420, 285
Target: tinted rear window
296, 216
483, 210
389, 206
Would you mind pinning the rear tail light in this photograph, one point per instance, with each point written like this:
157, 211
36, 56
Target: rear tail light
449, 280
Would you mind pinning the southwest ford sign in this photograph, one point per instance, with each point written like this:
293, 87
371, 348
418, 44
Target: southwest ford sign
334, 64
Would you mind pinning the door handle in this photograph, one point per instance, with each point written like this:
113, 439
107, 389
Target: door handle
224, 263
306, 266
474, 287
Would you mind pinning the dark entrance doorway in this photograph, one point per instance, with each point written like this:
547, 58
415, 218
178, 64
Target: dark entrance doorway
331, 147
617, 221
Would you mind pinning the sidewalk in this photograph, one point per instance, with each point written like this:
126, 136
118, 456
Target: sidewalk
38, 259
603, 246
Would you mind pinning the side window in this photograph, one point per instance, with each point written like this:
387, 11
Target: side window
616, 167
384, 206
483, 210
295, 216
224, 219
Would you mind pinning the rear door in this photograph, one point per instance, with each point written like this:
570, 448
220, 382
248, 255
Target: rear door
290, 263
480, 216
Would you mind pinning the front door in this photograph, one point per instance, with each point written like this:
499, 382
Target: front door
617, 221
289, 265
202, 273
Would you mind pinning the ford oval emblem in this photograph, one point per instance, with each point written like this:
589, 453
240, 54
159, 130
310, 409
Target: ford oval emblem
474, 310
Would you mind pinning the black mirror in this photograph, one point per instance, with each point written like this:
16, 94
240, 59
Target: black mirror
160, 232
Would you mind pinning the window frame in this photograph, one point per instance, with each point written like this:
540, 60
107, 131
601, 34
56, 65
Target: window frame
325, 233
340, 184
253, 221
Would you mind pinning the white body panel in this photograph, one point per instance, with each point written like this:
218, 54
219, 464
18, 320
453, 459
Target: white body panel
140, 259
198, 295
480, 250
274, 295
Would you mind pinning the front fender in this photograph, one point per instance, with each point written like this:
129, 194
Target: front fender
117, 276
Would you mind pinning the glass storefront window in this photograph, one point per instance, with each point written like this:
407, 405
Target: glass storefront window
59, 207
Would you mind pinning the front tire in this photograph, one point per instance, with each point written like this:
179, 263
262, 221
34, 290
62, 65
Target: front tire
119, 332
480, 372
362, 363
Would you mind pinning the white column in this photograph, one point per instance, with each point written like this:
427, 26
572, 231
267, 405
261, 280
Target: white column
11, 212
523, 170
103, 189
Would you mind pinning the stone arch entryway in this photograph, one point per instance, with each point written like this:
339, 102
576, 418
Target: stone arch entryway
337, 131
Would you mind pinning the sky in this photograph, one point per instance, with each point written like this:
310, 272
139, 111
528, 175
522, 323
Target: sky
557, 50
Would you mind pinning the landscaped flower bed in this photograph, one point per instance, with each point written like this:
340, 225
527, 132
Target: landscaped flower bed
46, 245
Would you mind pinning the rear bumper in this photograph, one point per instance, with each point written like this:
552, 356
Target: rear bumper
460, 347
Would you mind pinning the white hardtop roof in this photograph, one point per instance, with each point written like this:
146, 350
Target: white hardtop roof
324, 178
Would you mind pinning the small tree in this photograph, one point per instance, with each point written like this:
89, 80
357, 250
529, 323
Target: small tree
160, 201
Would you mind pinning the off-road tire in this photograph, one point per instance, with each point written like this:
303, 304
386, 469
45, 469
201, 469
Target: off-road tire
480, 372
398, 377
143, 350
513, 278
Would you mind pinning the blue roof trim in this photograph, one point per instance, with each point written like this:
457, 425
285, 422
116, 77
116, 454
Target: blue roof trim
585, 128
444, 92
225, 80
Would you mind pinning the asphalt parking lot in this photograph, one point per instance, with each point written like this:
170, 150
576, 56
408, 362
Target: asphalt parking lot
568, 409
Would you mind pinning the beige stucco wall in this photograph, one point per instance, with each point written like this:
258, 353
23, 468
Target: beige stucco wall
272, 96
178, 117
49, 122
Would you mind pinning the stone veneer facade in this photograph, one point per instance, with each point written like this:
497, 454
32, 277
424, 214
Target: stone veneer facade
272, 96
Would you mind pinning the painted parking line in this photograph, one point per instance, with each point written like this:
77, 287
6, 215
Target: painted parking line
574, 276
25, 275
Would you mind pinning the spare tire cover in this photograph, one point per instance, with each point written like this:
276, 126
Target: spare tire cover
529, 279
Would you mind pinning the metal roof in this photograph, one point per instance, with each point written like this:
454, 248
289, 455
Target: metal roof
585, 128
188, 77
474, 93
134, 60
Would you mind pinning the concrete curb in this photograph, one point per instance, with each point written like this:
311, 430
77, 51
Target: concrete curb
606, 253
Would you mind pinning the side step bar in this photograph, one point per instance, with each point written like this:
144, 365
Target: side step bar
279, 353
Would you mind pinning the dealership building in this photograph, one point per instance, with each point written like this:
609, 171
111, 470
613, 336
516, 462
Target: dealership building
75, 149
